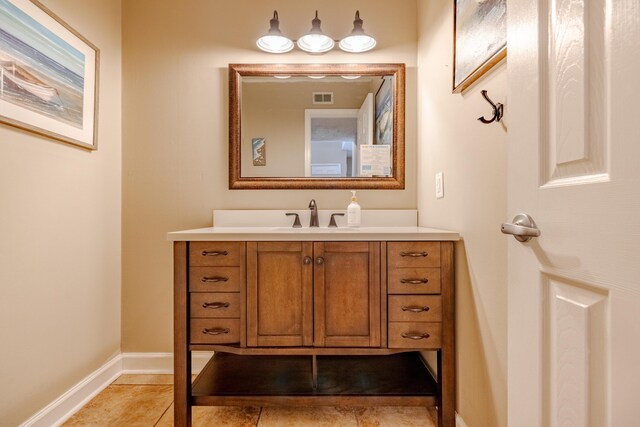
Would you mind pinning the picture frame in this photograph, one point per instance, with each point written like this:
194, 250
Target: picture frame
479, 39
48, 75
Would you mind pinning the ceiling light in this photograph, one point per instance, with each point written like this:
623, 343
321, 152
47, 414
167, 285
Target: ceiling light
315, 41
274, 41
358, 41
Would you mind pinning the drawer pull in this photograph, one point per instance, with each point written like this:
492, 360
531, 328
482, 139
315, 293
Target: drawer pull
216, 331
214, 279
414, 281
214, 253
215, 305
414, 254
415, 308
415, 335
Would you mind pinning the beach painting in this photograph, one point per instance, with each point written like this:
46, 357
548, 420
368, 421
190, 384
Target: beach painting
48, 74
259, 151
480, 39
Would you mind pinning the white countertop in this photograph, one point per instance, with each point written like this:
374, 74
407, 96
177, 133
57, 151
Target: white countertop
316, 234
274, 225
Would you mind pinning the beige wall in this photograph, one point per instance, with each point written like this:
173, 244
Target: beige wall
473, 158
60, 247
175, 57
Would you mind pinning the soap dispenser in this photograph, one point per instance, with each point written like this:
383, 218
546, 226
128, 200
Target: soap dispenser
353, 211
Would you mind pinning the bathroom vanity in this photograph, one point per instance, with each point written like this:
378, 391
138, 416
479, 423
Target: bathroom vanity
314, 317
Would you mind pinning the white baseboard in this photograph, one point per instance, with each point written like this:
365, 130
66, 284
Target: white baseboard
160, 363
61, 409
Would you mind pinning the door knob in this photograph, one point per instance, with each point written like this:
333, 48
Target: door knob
307, 260
319, 260
523, 228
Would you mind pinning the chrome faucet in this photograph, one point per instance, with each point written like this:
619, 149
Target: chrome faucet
314, 213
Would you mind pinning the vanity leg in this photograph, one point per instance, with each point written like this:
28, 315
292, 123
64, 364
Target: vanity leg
181, 352
447, 354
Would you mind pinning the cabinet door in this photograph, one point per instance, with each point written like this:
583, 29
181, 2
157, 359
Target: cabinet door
347, 294
280, 294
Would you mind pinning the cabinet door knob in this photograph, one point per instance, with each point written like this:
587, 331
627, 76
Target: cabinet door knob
307, 260
319, 260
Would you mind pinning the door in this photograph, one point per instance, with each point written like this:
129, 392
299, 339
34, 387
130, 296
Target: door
365, 129
279, 294
574, 292
347, 294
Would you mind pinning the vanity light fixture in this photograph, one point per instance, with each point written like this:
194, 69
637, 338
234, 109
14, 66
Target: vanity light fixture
274, 41
350, 77
315, 41
358, 41
316, 77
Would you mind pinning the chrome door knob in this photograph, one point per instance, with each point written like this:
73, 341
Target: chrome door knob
523, 228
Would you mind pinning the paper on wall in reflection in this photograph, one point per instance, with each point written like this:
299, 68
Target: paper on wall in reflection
375, 160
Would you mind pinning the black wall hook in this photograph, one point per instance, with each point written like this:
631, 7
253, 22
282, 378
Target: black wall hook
497, 110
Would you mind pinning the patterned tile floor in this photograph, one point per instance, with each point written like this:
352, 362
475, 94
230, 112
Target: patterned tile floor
147, 400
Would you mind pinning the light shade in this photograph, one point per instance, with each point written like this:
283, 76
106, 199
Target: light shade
358, 41
315, 41
274, 41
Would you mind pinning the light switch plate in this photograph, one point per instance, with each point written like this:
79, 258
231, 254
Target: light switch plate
439, 185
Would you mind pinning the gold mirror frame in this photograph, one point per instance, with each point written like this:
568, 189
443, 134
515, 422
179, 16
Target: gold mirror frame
237, 181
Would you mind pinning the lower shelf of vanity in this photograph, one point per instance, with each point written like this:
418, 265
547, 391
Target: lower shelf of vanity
244, 380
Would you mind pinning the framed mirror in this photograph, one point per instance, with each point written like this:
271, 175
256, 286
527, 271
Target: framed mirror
316, 126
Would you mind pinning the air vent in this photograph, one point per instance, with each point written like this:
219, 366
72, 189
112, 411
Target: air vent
323, 97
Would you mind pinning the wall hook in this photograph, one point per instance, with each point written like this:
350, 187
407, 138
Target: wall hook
497, 110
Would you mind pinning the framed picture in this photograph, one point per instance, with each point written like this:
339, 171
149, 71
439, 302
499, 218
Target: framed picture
48, 75
259, 151
479, 39
384, 112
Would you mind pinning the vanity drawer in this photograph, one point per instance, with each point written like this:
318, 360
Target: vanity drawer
215, 305
415, 308
414, 281
413, 254
214, 279
215, 331
215, 253
415, 334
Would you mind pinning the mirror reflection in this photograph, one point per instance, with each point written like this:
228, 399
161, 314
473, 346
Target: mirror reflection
294, 126
317, 126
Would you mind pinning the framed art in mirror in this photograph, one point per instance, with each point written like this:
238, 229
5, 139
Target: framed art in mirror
329, 126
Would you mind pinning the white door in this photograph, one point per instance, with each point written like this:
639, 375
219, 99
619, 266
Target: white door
365, 128
574, 166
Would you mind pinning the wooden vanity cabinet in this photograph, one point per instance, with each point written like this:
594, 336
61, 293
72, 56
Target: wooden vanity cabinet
314, 323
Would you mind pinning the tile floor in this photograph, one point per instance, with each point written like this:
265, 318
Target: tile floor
147, 400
